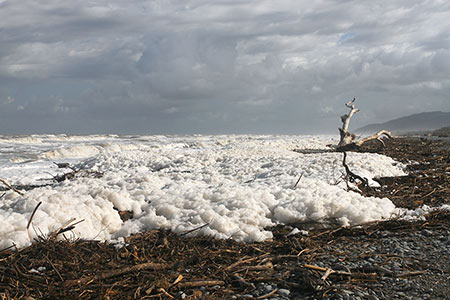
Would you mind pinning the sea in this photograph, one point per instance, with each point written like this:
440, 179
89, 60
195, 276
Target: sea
225, 186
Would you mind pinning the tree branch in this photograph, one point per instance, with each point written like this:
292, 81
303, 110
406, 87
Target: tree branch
352, 176
11, 187
348, 140
376, 136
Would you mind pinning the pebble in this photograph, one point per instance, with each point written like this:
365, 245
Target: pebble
427, 232
268, 288
284, 292
406, 249
358, 293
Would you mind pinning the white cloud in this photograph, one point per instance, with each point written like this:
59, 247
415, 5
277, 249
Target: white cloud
154, 60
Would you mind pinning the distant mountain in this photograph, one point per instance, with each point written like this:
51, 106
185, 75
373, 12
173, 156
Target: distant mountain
417, 122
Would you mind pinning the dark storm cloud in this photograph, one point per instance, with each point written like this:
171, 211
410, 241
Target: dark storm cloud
218, 66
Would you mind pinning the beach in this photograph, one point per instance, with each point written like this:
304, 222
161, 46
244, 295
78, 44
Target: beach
401, 257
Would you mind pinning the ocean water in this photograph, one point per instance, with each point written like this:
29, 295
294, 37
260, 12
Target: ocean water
236, 185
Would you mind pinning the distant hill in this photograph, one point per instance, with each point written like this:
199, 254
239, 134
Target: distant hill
442, 132
417, 122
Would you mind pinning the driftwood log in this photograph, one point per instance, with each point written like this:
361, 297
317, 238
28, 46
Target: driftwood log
349, 140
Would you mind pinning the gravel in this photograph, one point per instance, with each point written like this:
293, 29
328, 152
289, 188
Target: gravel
405, 265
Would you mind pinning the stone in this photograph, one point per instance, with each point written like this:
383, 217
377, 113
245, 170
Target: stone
284, 292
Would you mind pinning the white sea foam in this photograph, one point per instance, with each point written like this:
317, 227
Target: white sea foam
238, 185
85, 151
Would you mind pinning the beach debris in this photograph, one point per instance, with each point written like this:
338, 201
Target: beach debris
348, 141
77, 173
10, 187
352, 177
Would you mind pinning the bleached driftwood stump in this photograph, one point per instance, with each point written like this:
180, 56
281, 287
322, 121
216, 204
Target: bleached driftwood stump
348, 140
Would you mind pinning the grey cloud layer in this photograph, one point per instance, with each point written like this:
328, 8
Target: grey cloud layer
218, 66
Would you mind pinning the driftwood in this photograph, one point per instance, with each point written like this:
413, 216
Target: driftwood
77, 173
73, 174
352, 177
200, 283
117, 272
348, 141
10, 186
319, 265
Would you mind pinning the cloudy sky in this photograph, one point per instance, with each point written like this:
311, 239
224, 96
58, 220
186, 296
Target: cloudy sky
218, 66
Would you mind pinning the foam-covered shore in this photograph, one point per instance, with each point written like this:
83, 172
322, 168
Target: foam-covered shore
238, 185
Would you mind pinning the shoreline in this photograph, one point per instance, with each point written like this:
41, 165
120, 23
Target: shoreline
391, 259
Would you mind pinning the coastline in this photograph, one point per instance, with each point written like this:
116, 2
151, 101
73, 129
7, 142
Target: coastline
392, 259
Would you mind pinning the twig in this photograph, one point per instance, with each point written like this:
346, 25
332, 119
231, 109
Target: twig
429, 194
302, 251
32, 215
331, 231
163, 291
11, 187
242, 281
200, 283
331, 271
267, 266
327, 273
313, 267
244, 261
65, 227
54, 268
195, 229
268, 294
179, 278
298, 180
7, 248
65, 224
412, 273
117, 272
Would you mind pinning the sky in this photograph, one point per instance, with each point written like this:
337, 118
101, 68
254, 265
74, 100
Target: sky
219, 66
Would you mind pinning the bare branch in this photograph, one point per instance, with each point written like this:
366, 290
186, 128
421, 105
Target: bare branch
352, 176
348, 140
376, 136
32, 214
346, 137
346, 118
11, 187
